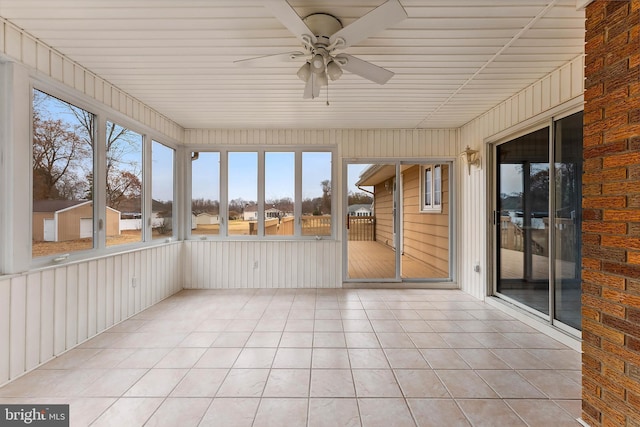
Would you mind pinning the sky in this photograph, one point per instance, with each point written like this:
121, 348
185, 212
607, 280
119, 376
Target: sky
243, 179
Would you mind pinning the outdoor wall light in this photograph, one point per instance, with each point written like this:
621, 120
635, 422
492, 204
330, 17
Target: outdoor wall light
471, 157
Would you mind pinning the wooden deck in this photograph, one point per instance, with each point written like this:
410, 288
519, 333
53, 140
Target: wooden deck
374, 260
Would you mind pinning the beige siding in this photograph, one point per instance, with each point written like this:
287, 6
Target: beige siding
425, 235
69, 222
113, 222
383, 211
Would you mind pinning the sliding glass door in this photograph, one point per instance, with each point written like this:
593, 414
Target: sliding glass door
537, 220
397, 221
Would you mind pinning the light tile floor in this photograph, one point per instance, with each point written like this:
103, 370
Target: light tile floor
313, 358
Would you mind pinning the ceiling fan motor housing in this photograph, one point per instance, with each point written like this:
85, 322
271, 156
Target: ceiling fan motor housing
323, 27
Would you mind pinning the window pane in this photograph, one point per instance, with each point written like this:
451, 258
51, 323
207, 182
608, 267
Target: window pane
63, 138
437, 185
124, 185
279, 194
316, 194
161, 190
427, 187
243, 193
568, 221
205, 193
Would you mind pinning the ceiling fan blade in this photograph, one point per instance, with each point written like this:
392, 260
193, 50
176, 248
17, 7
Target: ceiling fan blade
290, 19
312, 88
364, 69
378, 19
276, 57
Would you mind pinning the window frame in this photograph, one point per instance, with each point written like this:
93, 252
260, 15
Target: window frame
223, 151
102, 114
432, 186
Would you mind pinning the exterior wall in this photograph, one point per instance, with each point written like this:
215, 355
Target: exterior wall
308, 263
384, 215
69, 221
46, 312
38, 225
425, 235
562, 89
611, 202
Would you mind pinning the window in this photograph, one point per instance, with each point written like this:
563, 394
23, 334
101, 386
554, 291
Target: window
205, 193
123, 185
162, 223
431, 188
316, 194
243, 193
63, 151
260, 193
279, 193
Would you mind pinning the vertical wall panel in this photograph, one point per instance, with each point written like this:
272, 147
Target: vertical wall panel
59, 310
32, 349
72, 306
83, 302
17, 342
47, 297
5, 328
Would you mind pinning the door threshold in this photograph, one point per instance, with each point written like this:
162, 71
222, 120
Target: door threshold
400, 285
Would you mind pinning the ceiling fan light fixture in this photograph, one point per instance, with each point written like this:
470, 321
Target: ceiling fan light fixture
317, 63
304, 72
333, 70
321, 79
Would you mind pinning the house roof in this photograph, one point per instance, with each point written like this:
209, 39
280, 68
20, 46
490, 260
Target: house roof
55, 205
453, 59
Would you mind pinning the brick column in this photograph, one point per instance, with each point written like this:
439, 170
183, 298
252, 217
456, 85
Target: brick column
611, 217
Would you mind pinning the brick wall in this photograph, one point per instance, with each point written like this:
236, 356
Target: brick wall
611, 217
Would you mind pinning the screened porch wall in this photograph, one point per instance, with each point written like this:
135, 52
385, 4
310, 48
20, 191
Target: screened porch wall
48, 311
560, 89
299, 264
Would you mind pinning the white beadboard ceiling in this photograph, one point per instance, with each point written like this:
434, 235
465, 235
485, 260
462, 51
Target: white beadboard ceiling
453, 59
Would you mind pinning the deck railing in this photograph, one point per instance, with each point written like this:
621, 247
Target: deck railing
361, 228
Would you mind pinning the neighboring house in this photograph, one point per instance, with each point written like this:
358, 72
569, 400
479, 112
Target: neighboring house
360, 210
60, 220
207, 218
249, 214
273, 213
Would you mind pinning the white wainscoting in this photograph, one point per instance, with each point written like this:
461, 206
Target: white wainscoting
265, 264
43, 313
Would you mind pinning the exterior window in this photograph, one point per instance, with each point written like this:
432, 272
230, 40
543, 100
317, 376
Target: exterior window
123, 185
243, 193
316, 194
205, 193
63, 151
261, 193
162, 158
279, 193
431, 188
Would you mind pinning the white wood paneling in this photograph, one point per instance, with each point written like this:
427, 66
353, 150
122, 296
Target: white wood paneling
46, 312
453, 60
561, 88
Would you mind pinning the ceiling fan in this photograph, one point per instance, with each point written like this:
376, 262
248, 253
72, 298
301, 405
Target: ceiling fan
322, 34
